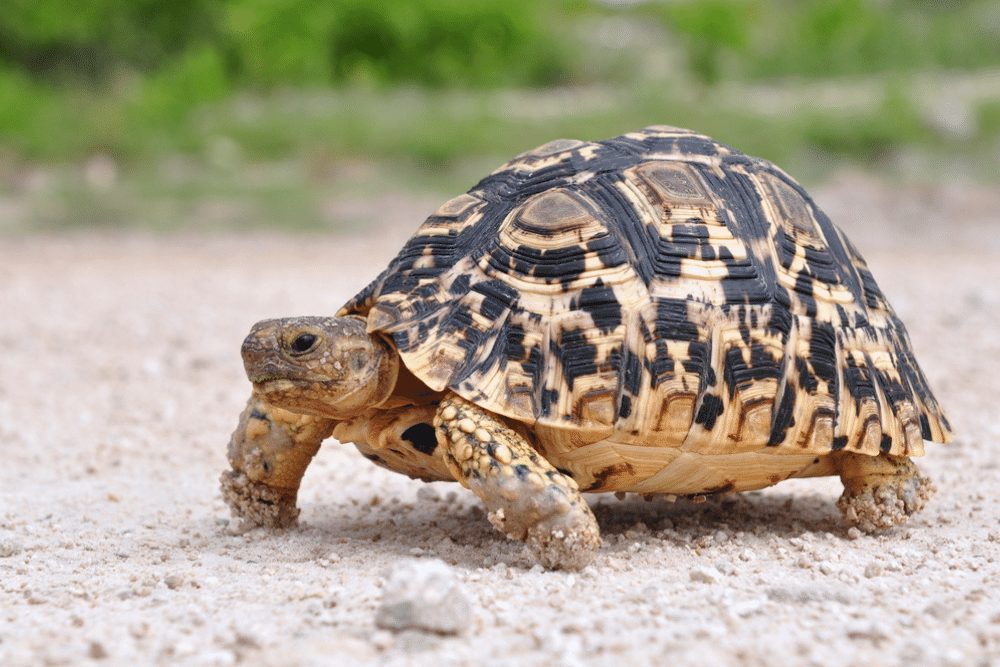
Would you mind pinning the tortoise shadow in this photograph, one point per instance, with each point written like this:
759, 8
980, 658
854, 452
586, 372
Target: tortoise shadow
458, 532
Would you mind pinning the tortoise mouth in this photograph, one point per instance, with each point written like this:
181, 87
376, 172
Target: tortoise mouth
272, 383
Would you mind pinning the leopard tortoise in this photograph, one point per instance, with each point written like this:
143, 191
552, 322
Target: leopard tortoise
654, 313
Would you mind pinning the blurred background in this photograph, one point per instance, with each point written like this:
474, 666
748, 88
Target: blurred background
214, 115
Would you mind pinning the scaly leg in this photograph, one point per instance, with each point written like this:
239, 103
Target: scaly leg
881, 491
526, 497
269, 452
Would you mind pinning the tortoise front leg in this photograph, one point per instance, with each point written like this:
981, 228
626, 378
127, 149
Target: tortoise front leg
527, 498
269, 452
881, 491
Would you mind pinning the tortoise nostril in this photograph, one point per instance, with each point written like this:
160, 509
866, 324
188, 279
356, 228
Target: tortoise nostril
251, 349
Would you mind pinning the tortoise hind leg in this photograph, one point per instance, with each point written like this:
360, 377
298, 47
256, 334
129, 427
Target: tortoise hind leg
881, 491
527, 498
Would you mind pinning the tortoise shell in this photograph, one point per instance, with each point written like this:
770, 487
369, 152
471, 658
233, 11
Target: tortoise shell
661, 288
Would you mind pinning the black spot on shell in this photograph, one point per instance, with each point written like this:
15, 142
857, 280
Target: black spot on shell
460, 285
625, 408
633, 372
599, 301
886, 443
550, 397
555, 265
738, 375
672, 321
607, 250
806, 379
823, 353
803, 287
783, 418
515, 342
601, 476
744, 333
498, 297
925, 427
579, 357
711, 408
858, 381
661, 366
839, 443
402, 339
780, 322
422, 437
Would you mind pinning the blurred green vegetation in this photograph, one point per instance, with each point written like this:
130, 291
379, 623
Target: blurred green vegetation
822, 38
432, 89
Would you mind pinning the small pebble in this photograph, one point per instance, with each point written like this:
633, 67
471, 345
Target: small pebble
873, 570
96, 651
853, 533
8, 547
424, 595
173, 581
706, 575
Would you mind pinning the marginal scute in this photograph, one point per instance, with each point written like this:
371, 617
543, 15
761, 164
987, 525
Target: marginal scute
652, 303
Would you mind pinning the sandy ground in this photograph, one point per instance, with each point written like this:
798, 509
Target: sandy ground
120, 380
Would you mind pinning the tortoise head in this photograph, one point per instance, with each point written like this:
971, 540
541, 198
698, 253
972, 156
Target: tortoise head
324, 366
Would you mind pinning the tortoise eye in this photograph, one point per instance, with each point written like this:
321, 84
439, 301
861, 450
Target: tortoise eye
303, 343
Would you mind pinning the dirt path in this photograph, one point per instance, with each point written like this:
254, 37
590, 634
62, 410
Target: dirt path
120, 381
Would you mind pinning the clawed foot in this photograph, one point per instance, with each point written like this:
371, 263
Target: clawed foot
553, 520
256, 503
880, 501
527, 498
